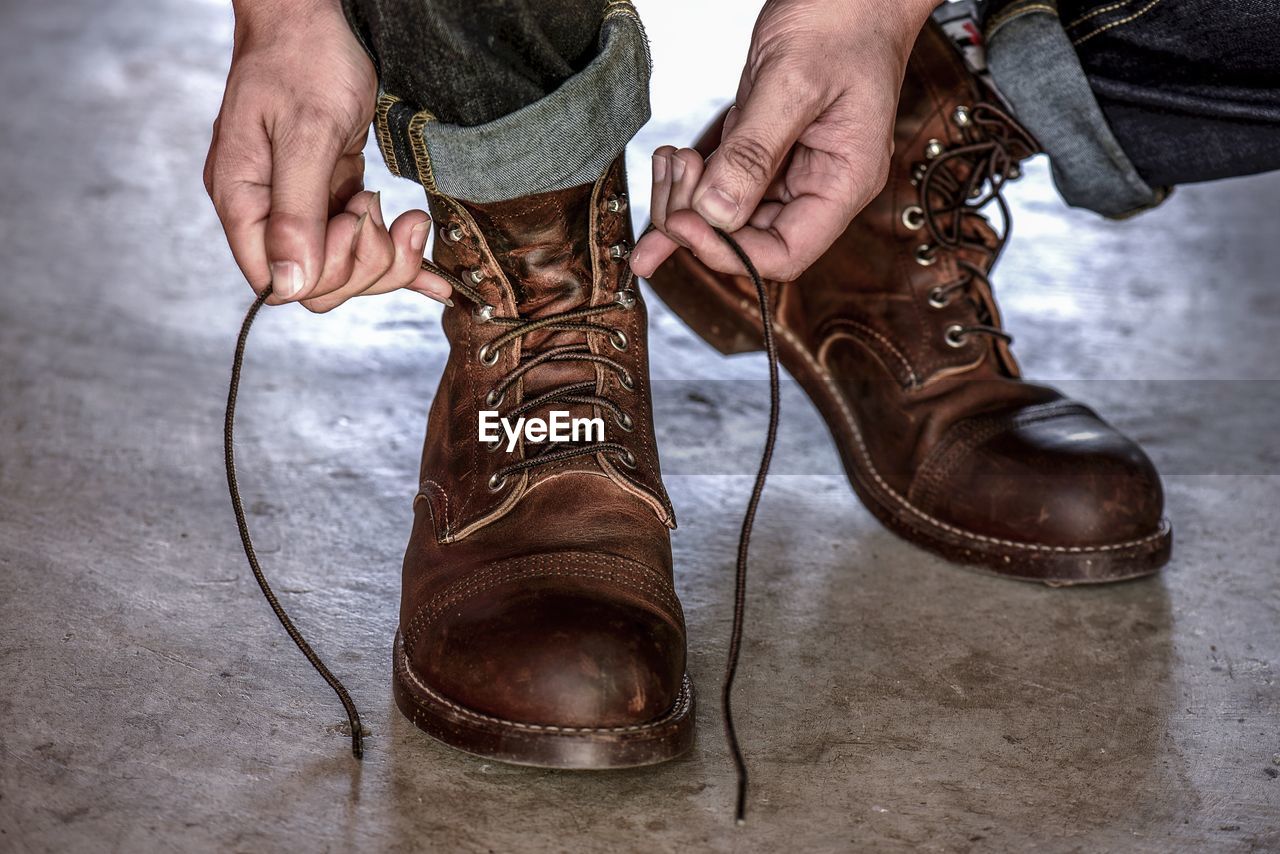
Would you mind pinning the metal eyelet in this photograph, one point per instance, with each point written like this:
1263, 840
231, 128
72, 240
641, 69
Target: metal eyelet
452, 233
496, 481
626, 299
937, 299
476, 276
913, 217
955, 336
494, 445
484, 313
917, 174
488, 357
618, 339
625, 380
933, 149
617, 204
493, 398
1015, 172
962, 117
925, 256
627, 458
625, 422
618, 251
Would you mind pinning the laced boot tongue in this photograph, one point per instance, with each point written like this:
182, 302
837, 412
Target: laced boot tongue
542, 245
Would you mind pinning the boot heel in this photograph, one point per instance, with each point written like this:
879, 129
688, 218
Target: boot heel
699, 297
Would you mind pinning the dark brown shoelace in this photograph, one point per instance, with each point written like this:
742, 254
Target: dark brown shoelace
520, 327
993, 145
573, 320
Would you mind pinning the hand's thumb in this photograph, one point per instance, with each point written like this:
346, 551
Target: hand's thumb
303, 161
749, 156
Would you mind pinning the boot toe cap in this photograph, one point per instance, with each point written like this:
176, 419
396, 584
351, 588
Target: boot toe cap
1064, 478
560, 649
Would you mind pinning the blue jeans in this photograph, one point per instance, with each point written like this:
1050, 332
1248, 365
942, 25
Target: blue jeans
1130, 97
488, 100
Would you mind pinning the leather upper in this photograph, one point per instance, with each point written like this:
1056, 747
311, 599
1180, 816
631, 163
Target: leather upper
547, 599
948, 426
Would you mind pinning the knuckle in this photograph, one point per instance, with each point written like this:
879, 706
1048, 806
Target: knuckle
748, 156
311, 125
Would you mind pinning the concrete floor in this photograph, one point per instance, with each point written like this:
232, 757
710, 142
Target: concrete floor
888, 701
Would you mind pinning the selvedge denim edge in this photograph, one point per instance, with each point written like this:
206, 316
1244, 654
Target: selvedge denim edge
1037, 70
563, 140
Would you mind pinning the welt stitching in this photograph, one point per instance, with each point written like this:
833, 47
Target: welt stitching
1138, 14
865, 455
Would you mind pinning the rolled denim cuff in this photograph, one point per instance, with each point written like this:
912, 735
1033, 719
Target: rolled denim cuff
1038, 72
563, 140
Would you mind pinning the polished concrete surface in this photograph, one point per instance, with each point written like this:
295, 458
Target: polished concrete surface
888, 700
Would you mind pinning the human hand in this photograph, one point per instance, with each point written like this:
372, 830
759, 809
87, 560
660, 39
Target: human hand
285, 169
805, 147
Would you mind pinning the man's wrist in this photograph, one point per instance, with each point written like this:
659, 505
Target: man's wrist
908, 18
255, 14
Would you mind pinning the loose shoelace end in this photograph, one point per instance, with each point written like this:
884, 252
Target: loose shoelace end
242, 524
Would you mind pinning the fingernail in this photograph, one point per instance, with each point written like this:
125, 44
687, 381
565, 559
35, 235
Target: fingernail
716, 207
659, 167
677, 168
439, 299
375, 209
418, 236
286, 279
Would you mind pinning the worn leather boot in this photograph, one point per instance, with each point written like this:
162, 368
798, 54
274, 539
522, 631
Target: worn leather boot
896, 336
538, 623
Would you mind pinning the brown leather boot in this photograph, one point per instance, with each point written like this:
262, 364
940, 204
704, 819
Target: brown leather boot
896, 336
538, 623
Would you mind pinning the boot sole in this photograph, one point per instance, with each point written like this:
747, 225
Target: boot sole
515, 743
727, 322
